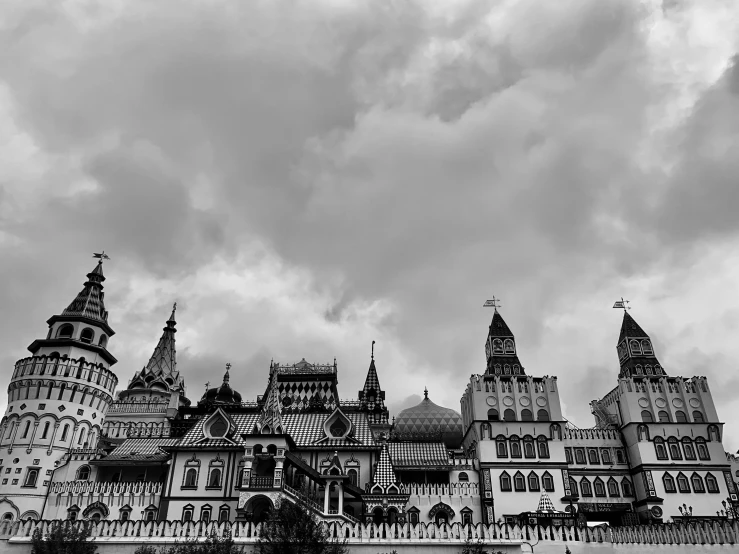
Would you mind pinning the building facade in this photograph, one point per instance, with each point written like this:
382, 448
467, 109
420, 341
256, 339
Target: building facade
76, 449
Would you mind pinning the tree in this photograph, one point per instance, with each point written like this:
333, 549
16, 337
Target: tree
63, 537
293, 529
213, 544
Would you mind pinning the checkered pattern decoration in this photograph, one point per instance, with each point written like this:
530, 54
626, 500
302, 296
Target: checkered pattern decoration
384, 472
427, 417
296, 396
418, 454
545, 504
270, 419
89, 302
372, 389
142, 450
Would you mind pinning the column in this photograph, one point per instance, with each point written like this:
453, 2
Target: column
340, 488
53, 436
33, 435
13, 431
326, 498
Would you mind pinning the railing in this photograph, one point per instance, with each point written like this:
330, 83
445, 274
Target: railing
106, 487
312, 504
708, 533
441, 489
138, 408
594, 433
259, 482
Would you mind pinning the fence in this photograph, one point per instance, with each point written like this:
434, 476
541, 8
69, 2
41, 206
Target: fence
704, 533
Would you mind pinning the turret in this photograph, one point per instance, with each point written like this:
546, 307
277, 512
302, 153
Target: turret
58, 397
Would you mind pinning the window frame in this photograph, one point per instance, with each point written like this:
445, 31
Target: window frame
516, 487
547, 482
506, 484
668, 483
586, 487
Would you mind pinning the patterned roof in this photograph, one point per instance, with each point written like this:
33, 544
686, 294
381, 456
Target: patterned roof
384, 471
89, 302
372, 389
270, 416
305, 429
418, 454
545, 504
141, 450
630, 328
427, 417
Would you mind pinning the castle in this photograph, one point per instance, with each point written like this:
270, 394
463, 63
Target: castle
73, 448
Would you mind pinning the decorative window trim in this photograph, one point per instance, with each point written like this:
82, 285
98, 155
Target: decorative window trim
668, 483
185, 509
206, 513
336, 415
216, 464
506, 484
225, 508
682, 478
542, 447
712, 484
532, 480
192, 463
516, 486
599, 488
547, 482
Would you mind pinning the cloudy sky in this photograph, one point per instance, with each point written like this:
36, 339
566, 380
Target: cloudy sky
304, 177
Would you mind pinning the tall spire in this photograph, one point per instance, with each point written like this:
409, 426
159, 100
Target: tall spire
270, 418
162, 366
500, 349
635, 351
384, 472
372, 397
89, 302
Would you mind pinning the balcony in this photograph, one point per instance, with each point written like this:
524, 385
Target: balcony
259, 482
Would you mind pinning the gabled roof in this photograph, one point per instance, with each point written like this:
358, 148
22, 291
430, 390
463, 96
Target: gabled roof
630, 328
140, 450
89, 302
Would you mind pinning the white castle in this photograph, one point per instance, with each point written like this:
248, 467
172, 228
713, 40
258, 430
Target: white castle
73, 448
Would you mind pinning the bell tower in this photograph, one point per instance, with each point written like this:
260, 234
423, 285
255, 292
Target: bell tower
57, 399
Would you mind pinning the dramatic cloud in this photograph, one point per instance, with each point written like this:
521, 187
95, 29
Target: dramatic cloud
306, 177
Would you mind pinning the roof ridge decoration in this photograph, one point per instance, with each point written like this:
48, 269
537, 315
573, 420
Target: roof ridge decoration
218, 426
162, 366
337, 426
89, 301
270, 418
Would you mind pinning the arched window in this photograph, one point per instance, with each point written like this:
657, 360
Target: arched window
493, 415
87, 335
509, 347
187, 513
555, 431
643, 432
605, 456
501, 446
547, 482
83, 473
675, 452
509, 415
542, 415
528, 447
668, 483
515, 447
526, 415
463, 477
613, 487
627, 487
702, 448
682, 483
593, 456
191, 477
713, 434
25, 429
711, 483
65, 331
664, 417
224, 514
599, 487
352, 473
635, 347
215, 478
543, 447
505, 482
659, 448
680, 417
497, 346
519, 483
646, 347
698, 416
103, 341
533, 482
65, 430
647, 417
31, 478
697, 482
688, 449
585, 487
45, 432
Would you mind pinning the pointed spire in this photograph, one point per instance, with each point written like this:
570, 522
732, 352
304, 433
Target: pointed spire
372, 397
500, 349
270, 418
89, 302
385, 472
545, 504
635, 351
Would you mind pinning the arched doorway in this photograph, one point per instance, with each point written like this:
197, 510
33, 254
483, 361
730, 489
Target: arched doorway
392, 516
441, 513
258, 508
378, 516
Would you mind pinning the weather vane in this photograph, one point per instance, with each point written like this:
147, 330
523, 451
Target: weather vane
622, 304
494, 303
102, 255
373, 350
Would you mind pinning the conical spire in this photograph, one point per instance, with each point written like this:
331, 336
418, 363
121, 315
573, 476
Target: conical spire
385, 472
162, 366
372, 397
500, 349
270, 419
545, 504
89, 302
635, 351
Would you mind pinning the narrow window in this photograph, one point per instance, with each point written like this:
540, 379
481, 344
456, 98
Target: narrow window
191, 477
585, 487
613, 487
599, 487
519, 482
647, 417
533, 482
669, 483
505, 482
547, 482
697, 483
501, 447
593, 456
65, 430
31, 478
627, 487
45, 432
543, 448
711, 483
25, 429
682, 483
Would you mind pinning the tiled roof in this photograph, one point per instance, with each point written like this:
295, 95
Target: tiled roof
305, 429
270, 416
630, 328
89, 302
545, 504
163, 362
498, 326
372, 389
418, 454
141, 450
384, 472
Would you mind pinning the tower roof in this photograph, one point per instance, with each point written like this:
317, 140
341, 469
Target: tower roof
223, 394
384, 472
630, 328
270, 419
635, 351
498, 326
426, 420
500, 349
162, 366
89, 302
372, 397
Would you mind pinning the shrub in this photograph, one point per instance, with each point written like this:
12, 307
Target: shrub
63, 537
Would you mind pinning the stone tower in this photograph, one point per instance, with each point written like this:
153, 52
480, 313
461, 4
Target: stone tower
57, 399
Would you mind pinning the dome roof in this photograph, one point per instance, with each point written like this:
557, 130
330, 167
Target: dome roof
428, 418
223, 394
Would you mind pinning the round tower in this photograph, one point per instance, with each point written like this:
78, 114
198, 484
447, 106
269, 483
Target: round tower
57, 399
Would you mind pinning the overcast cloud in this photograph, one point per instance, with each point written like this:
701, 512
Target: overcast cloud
304, 177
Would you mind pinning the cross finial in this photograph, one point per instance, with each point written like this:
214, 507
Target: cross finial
174, 307
425, 393
228, 366
493, 303
373, 350
102, 255
622, 304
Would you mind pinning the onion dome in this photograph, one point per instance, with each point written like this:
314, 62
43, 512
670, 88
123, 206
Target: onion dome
223, 394
427, 419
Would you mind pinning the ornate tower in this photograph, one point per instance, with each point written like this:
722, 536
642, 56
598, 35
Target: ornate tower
57, 399
153, 396
372, 400
500, 349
